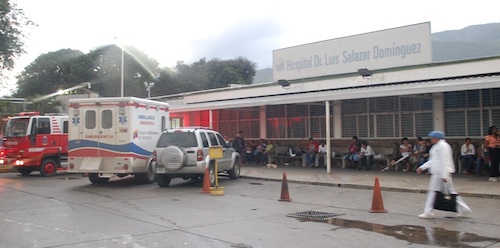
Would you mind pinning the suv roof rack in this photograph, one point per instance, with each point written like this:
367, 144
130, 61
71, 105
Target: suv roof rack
191, 127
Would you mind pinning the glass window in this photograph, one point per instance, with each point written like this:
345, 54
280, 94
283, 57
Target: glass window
204, 140
43, 126
213, 139
90, 121
65, 126
221, 141
182, 139
107, 119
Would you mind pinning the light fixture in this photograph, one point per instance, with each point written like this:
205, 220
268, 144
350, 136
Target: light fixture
365, 72
284, 83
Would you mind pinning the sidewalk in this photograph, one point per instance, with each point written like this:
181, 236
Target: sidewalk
466, 185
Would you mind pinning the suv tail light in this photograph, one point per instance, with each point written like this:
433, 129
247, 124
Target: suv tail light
154, 156
199, 155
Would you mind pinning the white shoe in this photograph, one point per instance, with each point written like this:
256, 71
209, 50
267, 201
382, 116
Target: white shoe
461, 215
426, 216
493, 179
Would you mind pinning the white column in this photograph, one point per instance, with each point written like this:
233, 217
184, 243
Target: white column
337, 119
328, 154
210, 119
438, 111
263, 122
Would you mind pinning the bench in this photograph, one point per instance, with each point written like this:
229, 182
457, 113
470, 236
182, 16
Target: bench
280, 157
382, 158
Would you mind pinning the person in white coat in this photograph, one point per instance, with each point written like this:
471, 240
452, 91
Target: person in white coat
441, 167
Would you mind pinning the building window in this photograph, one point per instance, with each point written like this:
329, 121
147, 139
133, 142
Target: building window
470, 113
387, 117
244, 119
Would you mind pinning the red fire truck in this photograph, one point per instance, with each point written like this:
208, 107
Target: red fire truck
35, 142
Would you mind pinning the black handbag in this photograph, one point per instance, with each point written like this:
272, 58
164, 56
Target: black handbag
445, 200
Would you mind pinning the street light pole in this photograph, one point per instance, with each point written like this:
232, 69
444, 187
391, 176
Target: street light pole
148, 87
121, 73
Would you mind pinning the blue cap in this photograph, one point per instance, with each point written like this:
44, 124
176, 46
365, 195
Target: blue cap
436, 134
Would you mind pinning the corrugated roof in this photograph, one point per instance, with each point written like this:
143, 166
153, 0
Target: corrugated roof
470, 82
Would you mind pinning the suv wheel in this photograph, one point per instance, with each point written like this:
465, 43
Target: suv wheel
235, 172
173, 158
211, 173
162, 180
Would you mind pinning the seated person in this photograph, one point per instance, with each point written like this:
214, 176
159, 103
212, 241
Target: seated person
260, 157
321, 154
425, 154
250, 153
468, 153
418, 149
352, 156
312, 149
405, 152
365, 156
267, 152
483, 160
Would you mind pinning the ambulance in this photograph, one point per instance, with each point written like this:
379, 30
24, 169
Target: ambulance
115, 137
34, 142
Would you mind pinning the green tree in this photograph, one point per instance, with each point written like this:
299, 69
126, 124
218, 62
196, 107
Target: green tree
12, 20
54, 71
203, 74
137, 66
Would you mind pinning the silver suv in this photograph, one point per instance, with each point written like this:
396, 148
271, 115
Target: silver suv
183, 152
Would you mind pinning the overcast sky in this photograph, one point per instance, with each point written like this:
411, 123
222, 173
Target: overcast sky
171, 31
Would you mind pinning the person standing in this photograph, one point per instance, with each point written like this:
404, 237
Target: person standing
441, 167
492, 142
239, 145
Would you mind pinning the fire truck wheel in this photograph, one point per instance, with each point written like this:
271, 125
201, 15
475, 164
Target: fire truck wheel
25, 171
48, 168
94, 178
162, 180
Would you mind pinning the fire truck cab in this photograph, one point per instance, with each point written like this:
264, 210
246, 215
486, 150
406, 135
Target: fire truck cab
35, 142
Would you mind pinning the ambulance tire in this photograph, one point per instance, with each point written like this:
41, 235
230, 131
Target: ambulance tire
48, 168
25, 171
148, 177
163, 180
94, 178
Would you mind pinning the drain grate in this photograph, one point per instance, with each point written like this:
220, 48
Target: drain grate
314, 215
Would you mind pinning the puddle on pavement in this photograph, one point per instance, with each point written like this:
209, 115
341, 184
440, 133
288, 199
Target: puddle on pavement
416, 234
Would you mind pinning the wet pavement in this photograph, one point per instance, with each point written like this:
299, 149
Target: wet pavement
466, 185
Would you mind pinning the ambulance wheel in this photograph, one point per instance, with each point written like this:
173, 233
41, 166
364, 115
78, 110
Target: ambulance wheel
148, 177
48, 168
25, 171
162, 180
94, 178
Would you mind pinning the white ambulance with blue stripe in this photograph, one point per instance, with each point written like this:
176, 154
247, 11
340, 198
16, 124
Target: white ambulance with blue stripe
115, 137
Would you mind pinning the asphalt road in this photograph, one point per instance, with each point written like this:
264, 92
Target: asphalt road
68, 211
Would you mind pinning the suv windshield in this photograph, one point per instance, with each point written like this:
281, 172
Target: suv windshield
16, 127
182, 139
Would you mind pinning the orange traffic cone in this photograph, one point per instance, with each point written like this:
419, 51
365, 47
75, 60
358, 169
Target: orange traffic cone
206, 182
377, 203
284, 190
